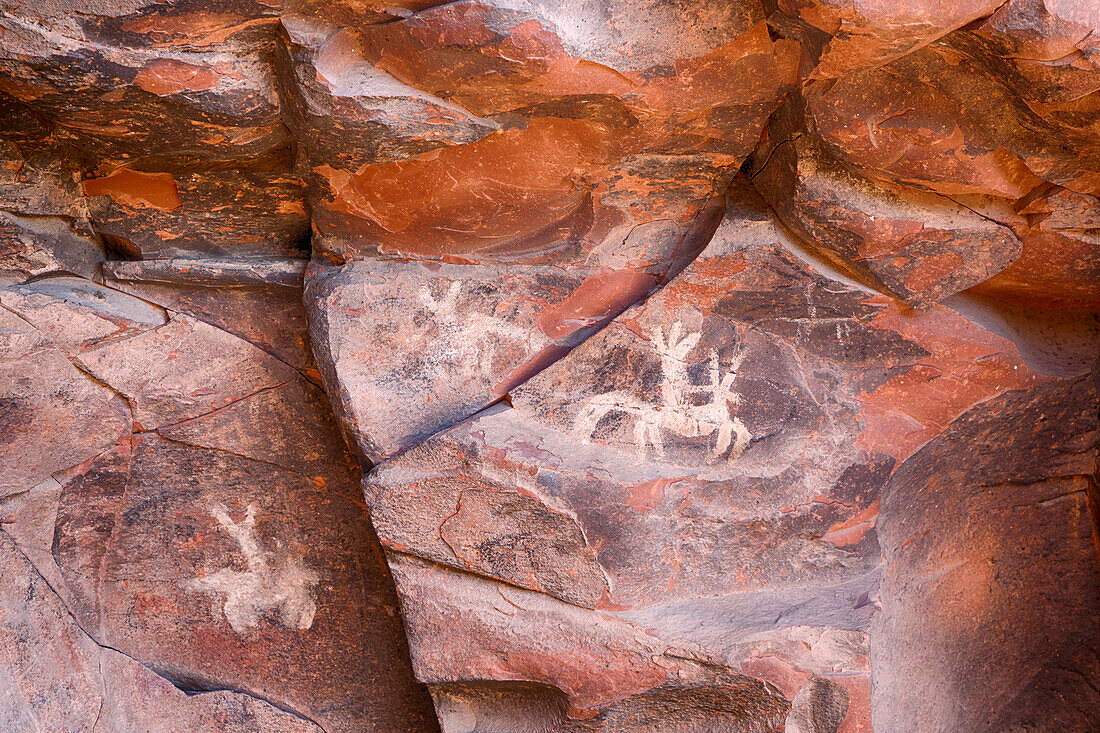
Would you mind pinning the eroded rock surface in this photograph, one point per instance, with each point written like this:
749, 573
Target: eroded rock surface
195, 527
952, 585
497, 366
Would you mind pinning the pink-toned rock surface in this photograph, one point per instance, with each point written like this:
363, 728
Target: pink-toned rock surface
454, 339
706, 470
500, 366
56, 677
45, 396
257, 299
196, 519
952, 587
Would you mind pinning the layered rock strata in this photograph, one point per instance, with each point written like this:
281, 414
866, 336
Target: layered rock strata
498, 366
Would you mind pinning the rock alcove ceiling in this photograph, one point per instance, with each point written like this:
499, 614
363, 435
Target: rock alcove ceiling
502, 366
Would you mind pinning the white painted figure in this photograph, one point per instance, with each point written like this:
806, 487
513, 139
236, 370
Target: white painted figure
474, 336
675, 413
271, 584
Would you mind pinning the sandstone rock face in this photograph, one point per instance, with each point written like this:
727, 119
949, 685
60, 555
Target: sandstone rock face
458, 339
189, 523
506, 131
952, 585
707, 470
497, 366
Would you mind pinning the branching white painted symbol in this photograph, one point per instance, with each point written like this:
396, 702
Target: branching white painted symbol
473, 336
444, 306
270, 584
675, 412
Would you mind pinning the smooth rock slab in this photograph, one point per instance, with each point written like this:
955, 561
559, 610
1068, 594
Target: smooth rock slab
184, 369
230, 551
707, 467
407, 349
569, 133
732, 432
199, 563
989, 561
917, 246
53, 676
257, 299
46, 401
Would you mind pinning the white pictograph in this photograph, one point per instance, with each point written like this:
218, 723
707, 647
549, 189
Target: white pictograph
676, 412
283, 585
473, 336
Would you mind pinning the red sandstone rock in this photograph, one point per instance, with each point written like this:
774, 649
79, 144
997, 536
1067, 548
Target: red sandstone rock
452, 340
47, 401
38, 176
916, 245
829, 469
257, 299
849, 37
32, 246
57, 678
570, 134
952, 589
658, 473
229, 213
184, 543
175, 119
924, 122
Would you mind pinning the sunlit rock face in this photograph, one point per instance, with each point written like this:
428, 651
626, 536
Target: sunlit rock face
501, 366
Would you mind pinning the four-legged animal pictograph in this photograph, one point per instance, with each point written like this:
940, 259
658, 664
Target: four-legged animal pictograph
676, 412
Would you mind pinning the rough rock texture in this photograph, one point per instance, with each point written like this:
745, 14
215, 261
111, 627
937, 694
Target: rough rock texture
707, 471
56, 677
455, 339
500, 366
191, 521
952, 588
